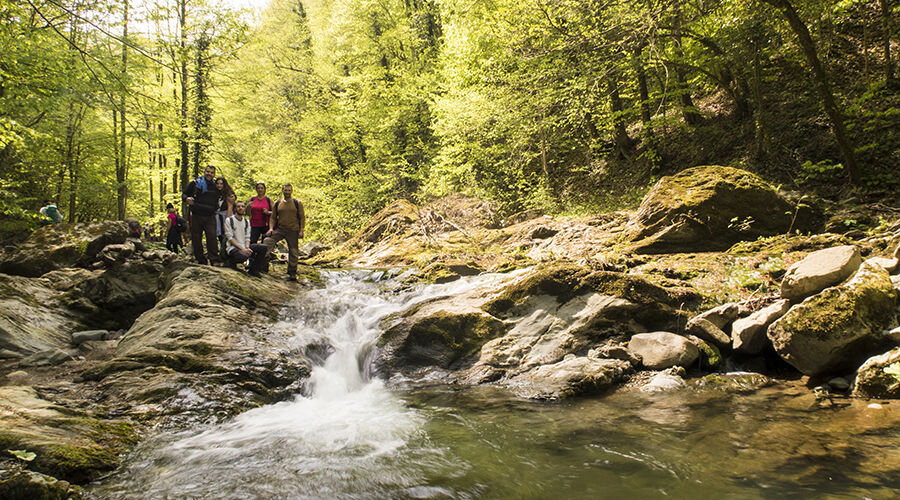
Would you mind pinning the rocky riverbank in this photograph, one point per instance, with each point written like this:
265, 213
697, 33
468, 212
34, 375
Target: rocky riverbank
715, 273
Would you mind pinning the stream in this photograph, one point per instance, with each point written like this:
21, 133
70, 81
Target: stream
352, 436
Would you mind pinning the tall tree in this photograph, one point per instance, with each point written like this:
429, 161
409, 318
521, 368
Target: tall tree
823, 85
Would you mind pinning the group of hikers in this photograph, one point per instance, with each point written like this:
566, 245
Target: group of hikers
237, 232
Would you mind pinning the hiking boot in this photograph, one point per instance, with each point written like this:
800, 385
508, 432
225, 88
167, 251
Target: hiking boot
254, 273
292, 277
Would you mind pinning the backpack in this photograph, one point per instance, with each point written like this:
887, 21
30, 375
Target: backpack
180, 224
296, 205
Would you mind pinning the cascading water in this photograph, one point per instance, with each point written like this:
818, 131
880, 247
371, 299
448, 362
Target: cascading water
349, 437
352, 437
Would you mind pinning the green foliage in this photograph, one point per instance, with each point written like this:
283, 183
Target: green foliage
25, 455
893, 370
819, 171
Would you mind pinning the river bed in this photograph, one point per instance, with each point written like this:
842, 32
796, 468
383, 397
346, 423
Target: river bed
352, 436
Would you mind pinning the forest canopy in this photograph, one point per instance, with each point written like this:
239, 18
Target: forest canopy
108, 108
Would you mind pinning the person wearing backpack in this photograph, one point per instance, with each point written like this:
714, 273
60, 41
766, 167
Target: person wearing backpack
203, 197
177, 225
287, 223
239, 249
259, 208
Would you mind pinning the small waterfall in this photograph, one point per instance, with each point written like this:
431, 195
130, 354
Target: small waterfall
349, 437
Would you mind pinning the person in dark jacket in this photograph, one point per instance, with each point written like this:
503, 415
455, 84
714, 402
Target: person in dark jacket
203, 197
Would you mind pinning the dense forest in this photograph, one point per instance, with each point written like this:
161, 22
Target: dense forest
109, 107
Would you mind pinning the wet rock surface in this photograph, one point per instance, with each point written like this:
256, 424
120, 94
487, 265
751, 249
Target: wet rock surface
61, 245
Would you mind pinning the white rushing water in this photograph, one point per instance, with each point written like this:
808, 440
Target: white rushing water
349, 438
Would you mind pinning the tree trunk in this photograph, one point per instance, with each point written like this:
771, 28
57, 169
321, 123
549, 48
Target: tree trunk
886, 28
643, 93
122, 164
162, 168
759, 119
183, 117
822, 85
202, 110
688, 110
623, 141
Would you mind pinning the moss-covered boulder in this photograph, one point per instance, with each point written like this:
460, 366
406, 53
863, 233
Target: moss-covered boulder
61, 245
710, 208
69, 444
840, 327
879, 376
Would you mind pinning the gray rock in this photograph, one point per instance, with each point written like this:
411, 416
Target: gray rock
719, 316
83, 336
50, 357
31, 319
839, 327
749, 334
61, 245
98, 345
7, 354
708, 331
574, 375
890, 264
614, 352
839, 384
662, 382
819, 270
312, 249
18, 377
879, 376
660, 350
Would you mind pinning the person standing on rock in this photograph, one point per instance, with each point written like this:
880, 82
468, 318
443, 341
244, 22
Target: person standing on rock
173, 235
287, 223
259, 208
203, 198
239, 248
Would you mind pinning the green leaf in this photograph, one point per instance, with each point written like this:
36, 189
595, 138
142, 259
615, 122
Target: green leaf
25, 455
893, 370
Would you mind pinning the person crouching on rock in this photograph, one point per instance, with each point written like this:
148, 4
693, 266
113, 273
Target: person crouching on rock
237, 234
287, 223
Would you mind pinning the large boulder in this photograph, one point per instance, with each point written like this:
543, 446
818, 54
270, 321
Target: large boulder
661, 350
114, 298
62, 245
819, 270
523, 331
206, 337
573, 376
840, 327
879, 376
710, 208
32, 317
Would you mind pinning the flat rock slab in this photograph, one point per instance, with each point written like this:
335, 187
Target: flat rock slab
661, 350
819, 270
573, 376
